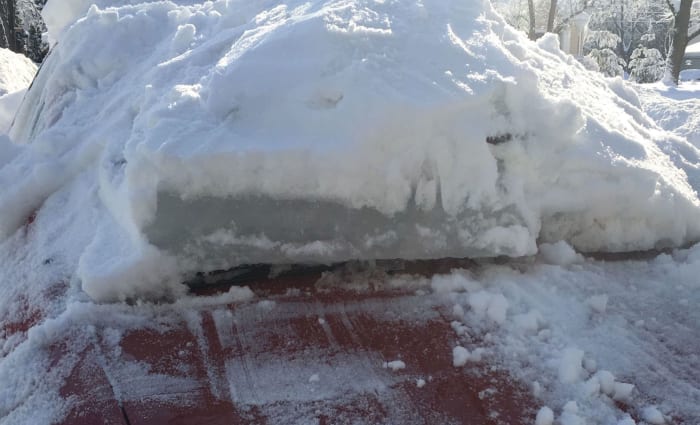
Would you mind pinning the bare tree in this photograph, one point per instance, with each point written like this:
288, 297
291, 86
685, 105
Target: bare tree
7, 24
681, 37
547, 13
552, 14
531, 12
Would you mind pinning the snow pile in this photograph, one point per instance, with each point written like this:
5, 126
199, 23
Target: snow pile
677, 109
16, 74
226, 132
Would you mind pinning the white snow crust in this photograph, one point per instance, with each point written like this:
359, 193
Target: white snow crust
16, 74
16, 71
210, 134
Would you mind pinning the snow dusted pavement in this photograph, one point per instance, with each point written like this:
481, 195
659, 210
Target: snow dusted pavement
301, 350
595, 342
568, 329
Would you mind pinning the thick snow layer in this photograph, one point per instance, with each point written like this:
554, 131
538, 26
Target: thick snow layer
219, 133
16, 72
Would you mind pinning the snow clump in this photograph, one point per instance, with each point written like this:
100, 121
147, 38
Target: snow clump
559, 253
545, 416
653, 416
570, 367
395, 365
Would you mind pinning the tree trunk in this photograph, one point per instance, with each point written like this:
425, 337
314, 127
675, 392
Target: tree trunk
4, 42
552, 15
12, 39
7, 24
680, 41
531, 10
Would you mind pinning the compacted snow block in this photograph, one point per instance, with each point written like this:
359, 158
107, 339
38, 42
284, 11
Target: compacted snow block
228, 132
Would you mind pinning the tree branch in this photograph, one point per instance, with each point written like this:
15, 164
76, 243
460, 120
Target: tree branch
671, 6
564, 22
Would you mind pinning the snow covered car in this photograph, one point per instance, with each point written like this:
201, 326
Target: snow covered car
165, 141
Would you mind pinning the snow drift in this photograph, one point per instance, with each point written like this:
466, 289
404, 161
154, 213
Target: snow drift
213, 134
16, 73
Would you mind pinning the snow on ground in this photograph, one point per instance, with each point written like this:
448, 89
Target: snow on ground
677, 109
219, 133
633, 361
674, 108
640, 351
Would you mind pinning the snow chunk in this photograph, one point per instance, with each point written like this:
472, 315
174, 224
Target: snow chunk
598, 303
493, 306
460, 356
569, 415
606, 381
184, 37
622, 391
545, 416
570, 366
559, 253
420, 383
395, 365
240, 294
653, 416
536, 389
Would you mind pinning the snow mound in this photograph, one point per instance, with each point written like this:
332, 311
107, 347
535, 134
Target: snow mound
224, 132
677, 109
16, 74
16, 71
